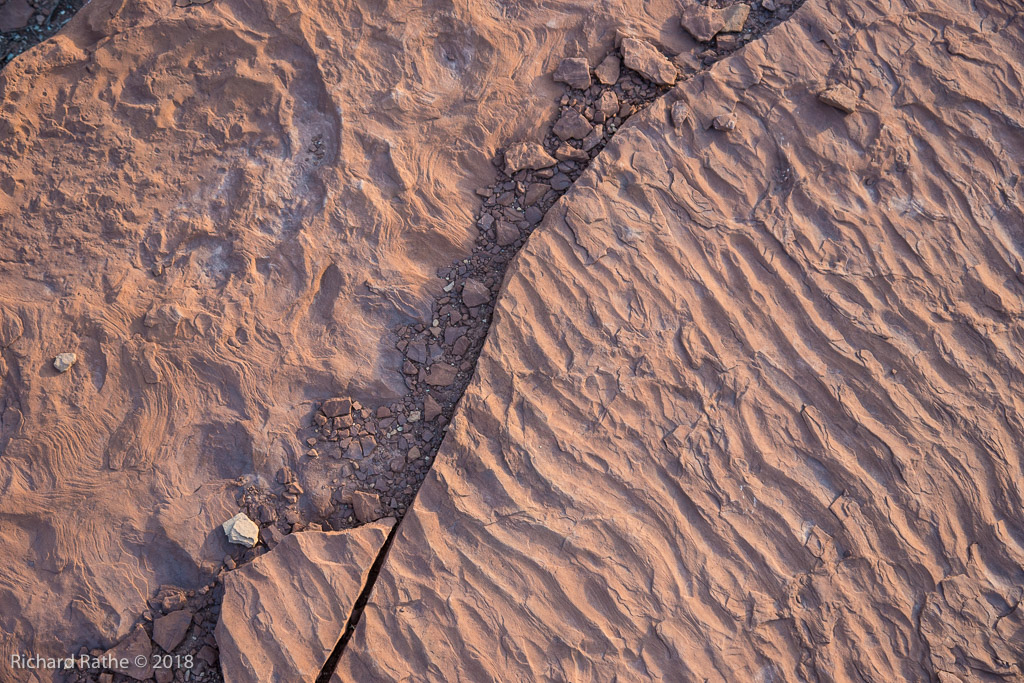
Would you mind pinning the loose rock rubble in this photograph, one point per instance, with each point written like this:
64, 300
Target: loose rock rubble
377, 457
23, 23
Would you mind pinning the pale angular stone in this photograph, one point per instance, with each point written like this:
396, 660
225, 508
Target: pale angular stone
241, 530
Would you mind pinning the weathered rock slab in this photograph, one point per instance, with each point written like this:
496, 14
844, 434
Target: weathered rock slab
284, 612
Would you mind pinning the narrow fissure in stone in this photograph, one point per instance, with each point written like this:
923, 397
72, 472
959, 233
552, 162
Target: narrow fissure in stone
357, 610
380, 455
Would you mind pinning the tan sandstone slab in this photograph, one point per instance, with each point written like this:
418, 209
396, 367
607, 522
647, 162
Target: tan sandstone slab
284, 612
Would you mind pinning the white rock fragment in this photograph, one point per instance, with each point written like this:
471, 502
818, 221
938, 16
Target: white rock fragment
64, 361
241, 530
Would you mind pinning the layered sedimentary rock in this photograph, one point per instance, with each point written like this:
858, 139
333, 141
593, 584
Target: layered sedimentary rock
221, 209
284, 612
751, 405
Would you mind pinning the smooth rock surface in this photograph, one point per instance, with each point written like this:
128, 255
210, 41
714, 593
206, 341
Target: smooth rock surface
284, 612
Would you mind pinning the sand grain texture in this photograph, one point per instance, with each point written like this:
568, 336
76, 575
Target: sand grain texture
751, 405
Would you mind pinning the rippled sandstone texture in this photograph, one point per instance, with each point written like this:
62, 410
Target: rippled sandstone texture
222, 210
284, 612
751, 405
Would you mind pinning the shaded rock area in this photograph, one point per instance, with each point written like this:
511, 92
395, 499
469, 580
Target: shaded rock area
284, 612
24, 23
750, 407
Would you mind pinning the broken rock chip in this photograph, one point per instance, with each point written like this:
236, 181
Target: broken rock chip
704, 23
724, 122
136, 651
734, 17
241, 530
572, 124
527, 155
366, 506
431, 409
284, 612
841, 97
475, 293
608, 103
441, 374
575, 72
507, 235
64, 361
336, 407
645, 59
169, 630
608, 71
680, 113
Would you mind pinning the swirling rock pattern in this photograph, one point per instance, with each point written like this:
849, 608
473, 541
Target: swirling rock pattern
751, 405
223, 209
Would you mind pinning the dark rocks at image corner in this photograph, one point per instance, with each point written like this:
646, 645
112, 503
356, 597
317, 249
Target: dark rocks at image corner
24, 23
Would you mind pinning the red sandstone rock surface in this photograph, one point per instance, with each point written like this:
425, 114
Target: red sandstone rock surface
749, 409
223, 210
751, 406
284, 612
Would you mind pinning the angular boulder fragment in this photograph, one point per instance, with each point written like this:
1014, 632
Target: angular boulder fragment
567, 152
169, 630
64, 361
336, 407
366, 506
241, 530
571, 124
284, 612
704, 23
645, 59
507, 235
841, 97
607, 71
431, 409
527, 155
441, 374
575, 72
608, 103
725, 122
734, 17
136, 651
475, 293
